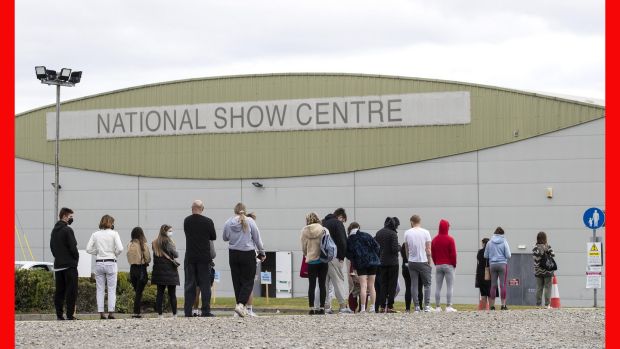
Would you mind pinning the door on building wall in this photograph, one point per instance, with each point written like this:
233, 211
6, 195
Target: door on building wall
521, 282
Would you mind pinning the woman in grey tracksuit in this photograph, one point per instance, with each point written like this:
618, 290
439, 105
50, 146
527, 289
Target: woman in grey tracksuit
497, 252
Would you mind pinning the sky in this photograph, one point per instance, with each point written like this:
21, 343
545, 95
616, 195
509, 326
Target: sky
548, 46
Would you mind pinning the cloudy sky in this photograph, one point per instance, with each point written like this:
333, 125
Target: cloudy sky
554, 46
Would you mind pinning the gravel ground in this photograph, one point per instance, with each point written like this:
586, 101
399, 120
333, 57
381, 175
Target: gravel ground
565, 328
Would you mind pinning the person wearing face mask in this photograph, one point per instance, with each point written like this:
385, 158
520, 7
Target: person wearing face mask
165, 274
105, 244
66, 256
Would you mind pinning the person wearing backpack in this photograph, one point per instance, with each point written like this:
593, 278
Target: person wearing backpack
543, 275
363, 252
311, 236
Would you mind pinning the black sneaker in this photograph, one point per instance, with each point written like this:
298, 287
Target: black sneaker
60, 318
492, 307
72, 318
312, 312
137, 316
321, 312
209, 314
111, 317
102, 317
504, 307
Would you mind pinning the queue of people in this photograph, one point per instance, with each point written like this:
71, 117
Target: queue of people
324, 243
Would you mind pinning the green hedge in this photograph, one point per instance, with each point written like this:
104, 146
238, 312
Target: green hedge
34, 293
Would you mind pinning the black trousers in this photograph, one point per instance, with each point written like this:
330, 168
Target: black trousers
317, 271
197, 274
138, 278
408, 296
66, 290
172, 298
387, 289
242, 271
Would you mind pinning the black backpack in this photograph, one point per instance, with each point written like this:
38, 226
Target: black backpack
547, 262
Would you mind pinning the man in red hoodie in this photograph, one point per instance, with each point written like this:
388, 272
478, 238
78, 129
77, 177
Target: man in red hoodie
443, 252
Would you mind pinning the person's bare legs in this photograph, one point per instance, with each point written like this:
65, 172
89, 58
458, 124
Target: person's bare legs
373, 292
363, 291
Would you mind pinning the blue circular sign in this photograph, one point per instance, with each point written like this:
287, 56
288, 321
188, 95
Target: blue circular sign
594, 218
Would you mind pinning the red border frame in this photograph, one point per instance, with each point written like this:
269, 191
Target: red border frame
611, 185
7, 159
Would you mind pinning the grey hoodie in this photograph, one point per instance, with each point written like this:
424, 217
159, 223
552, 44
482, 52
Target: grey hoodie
240, 240
497, 250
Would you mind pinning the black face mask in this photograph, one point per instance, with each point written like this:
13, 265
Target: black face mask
70, 221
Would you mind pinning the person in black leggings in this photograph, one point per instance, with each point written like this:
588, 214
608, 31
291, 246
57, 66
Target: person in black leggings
311, 236
407, 277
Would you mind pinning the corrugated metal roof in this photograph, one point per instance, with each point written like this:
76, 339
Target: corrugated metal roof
496, 113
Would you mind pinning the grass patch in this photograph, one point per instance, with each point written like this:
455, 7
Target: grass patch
302, 304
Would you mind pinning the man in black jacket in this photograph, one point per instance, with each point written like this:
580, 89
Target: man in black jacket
387, 238
199, 231
66, 256
334, 222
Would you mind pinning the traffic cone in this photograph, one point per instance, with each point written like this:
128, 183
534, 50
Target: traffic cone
555, 294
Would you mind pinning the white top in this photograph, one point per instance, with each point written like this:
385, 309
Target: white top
416, 239
105, 244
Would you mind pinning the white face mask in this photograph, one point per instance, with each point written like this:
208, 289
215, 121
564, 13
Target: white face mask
169, 233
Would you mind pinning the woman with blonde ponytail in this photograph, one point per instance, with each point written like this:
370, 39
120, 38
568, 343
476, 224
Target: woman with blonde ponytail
244, 240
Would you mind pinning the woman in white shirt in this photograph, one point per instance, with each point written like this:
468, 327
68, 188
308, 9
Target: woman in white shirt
105, 244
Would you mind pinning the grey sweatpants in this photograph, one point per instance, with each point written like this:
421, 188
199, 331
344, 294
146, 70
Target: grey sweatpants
498, 271
424, 271
441, 271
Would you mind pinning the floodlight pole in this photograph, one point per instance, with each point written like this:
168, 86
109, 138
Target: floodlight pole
56, 170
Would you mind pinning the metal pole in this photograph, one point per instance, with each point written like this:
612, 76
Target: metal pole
594, 241
56, 183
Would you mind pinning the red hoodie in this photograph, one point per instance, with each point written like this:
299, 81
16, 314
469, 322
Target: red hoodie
443, 248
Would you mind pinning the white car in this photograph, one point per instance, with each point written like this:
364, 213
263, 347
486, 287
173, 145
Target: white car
34, 265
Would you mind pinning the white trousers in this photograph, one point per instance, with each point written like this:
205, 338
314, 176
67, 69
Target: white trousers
105, 272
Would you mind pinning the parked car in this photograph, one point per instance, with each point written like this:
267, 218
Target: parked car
34, 265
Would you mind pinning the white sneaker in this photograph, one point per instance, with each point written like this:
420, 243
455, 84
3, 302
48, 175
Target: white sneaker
449, 309
329, 311
428, 309
160, 316
252, 313
174, 316
235, 314
417, 310
438, 309
345, 310
240, 309
548, 307
362, 312
371, 309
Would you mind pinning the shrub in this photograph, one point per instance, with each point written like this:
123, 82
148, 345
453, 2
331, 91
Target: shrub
34, 292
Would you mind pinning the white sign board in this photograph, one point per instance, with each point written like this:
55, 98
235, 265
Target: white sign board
216, 276
265, 278
594, 277
594, 253
85, 264
414, 109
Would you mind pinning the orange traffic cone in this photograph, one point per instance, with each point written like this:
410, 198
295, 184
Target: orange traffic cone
555, 294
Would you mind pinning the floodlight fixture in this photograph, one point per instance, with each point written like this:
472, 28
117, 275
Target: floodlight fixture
51, 75
257, 184
40, 71
65, 73
76, 76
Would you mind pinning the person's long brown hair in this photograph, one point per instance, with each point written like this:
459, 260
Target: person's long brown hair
161, 240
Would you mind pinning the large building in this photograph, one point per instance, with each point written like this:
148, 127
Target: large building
287, 144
